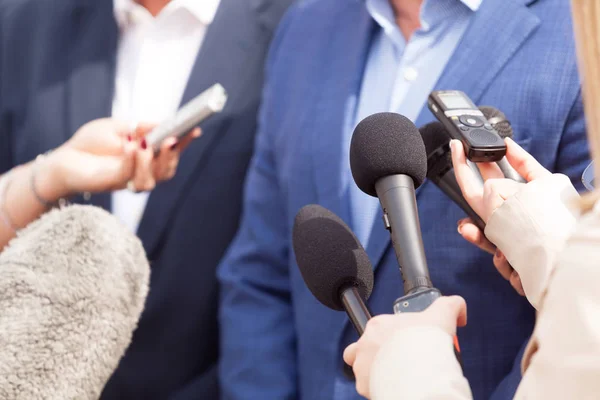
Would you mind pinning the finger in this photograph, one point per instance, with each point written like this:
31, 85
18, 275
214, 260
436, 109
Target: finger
142, 129
502, 265
472, 234
490, 171
189, 138
515, 281
350, 354
362, 387
469, 184
143, 179
455, 307
165, 164
121, 128
127, 166
523, 162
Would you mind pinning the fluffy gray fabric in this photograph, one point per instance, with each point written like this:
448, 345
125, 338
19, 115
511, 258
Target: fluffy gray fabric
72, 288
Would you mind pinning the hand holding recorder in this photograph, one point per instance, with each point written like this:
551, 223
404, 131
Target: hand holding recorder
496, 189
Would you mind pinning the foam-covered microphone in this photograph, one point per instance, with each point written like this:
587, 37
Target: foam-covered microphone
389, 161
440, 170
72, 288
502, 125
333, 263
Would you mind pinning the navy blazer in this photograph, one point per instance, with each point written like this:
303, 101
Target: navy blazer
277, 341
57, 66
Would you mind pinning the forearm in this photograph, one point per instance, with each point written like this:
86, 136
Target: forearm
563, 360
18, 202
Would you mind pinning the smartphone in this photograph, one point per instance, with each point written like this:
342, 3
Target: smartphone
206, 104
465, 122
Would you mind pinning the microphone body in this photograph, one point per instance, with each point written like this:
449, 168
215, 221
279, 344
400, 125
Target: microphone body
396, 194
356, 309
440, 170
448, 184
389, 160
509, 172
502, 125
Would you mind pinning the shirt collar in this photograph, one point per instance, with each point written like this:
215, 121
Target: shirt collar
432, 12
203, 10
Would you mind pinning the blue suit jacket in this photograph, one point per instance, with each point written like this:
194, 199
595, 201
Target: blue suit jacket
57, 63
278, 342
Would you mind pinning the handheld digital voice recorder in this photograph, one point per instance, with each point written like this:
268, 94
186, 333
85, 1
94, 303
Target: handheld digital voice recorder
465, 122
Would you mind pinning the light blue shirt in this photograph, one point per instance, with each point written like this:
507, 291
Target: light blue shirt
399, 76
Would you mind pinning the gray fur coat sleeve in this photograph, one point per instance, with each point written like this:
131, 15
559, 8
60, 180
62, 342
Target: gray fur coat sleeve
72, 288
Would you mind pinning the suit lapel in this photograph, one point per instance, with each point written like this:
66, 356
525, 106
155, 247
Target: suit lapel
497, 31
91, 70
223, 50
336, 105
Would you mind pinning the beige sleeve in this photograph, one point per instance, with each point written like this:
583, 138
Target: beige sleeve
531, 227
419, 364
563, 358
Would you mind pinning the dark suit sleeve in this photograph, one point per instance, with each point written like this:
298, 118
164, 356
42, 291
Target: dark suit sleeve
5, 137
571, 159
258, 359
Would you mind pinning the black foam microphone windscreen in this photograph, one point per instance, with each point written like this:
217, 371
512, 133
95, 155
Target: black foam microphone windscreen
72, 288
329, 256
498, 121
388, 160
504, 128
386, 144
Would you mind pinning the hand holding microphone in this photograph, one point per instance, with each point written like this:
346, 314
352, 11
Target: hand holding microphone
446, 313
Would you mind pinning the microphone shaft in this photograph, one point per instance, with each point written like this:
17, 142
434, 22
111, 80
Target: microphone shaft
448, 184
397, 196
356, 309
509, 171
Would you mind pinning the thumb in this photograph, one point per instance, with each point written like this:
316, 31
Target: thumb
502, 188
523, 162
350, 354
452, 309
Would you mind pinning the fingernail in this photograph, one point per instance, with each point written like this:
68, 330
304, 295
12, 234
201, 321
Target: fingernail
129, 138
459, 229
173, 146
144, 144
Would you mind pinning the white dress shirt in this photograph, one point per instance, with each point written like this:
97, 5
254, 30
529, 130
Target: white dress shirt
154, 61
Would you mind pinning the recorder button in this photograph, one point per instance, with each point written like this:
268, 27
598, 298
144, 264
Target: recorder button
471, 121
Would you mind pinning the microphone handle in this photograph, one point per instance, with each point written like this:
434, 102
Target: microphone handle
397, 197
509, 172
355, 308
448, 184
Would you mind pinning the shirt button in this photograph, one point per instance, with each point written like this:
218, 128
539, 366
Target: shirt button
410, 74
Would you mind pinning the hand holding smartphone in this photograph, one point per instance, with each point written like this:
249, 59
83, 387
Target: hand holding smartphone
203, 106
